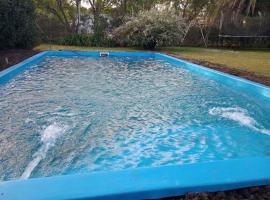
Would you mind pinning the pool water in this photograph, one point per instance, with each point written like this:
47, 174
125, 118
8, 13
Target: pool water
69, 115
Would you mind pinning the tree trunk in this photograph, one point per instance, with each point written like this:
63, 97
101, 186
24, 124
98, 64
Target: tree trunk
78, 5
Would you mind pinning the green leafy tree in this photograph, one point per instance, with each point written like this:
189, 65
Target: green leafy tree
100, 26
235, 11
152, 28
58, 18
189, 9
17, 25
126, 8
65, 11
239, 17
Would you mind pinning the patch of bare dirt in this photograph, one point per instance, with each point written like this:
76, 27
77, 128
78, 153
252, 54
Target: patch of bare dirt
254, 193
14, 56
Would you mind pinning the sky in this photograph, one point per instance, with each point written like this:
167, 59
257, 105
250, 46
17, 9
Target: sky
85, 4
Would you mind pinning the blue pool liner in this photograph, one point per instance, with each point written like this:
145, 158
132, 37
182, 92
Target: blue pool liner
144, 183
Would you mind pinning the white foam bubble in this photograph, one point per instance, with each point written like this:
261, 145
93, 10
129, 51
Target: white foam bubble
239, 115
48, 139
51, 133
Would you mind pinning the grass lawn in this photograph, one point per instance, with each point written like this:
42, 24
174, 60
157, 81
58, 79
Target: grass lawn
257, 61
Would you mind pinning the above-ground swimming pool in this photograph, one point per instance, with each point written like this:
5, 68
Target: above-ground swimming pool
129, 125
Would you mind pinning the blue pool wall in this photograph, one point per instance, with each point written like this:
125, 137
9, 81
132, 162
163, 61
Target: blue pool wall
144, 183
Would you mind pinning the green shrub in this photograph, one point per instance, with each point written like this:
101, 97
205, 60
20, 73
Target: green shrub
77, 40
152, 28
110, 42
87, 40
17, 25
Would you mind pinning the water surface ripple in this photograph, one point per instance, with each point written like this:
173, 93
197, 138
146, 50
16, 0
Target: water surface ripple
75, 115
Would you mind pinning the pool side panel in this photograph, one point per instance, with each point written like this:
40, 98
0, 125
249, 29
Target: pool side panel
143, 183
251, 87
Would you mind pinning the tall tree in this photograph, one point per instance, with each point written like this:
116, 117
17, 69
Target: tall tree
233, 11
128, 8
63, 10
17, 24
100, 24
99, 7
78, 6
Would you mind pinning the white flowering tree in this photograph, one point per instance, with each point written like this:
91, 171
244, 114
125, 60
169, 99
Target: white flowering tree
151, 29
